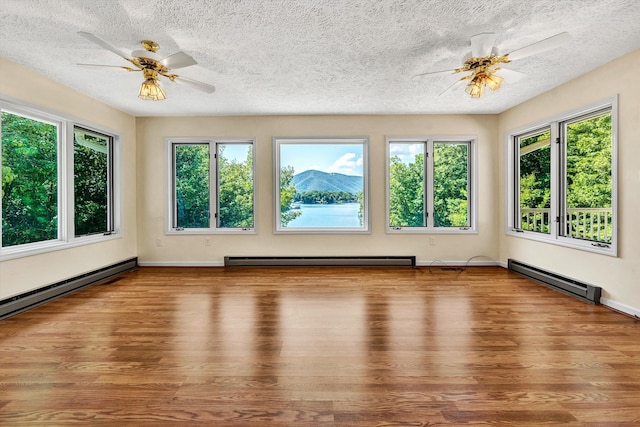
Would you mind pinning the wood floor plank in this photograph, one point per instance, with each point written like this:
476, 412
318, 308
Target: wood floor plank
330, 347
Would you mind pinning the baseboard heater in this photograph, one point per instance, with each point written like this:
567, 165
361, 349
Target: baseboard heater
317, 261
26, 301
583, 291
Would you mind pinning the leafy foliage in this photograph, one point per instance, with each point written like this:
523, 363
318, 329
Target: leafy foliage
235, 190
287, 196
29, 180
192, 185
450, 185
535, 173
589, 148
535, 181
406, 193
325, 197
90, 168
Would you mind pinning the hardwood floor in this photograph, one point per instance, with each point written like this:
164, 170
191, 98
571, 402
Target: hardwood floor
319, 347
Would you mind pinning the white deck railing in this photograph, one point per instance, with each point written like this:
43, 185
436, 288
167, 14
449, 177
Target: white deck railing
582, 223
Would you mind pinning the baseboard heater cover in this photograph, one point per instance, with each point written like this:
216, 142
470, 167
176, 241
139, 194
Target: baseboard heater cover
583, 291
19, 303
318, 261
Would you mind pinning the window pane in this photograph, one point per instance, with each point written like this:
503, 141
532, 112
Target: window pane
91, 153
235, 186
321, 185
29, 180
588, 179
451, 184
406, 185
535, 181
191, 163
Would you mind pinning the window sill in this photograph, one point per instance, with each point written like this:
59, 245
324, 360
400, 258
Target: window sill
207, 231
52, 246
582, 245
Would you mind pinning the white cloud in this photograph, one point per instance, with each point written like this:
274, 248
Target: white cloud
348, 164
406, 152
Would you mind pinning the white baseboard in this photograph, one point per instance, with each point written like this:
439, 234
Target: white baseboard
620, 307
181, 263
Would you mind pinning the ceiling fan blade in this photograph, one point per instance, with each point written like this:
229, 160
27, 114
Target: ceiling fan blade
178, 60
510, 75
106, 66
454, 86
204, 87
97, 40
434, 73
482, 44
541, 46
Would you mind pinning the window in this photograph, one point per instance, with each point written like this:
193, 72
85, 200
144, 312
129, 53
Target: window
430, 185
212, 186
191, 186
321, 185
93, 182
534, 166
563, 180
58, 182
29, 179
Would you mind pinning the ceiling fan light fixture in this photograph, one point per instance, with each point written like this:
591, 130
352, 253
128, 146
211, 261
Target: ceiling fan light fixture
150, 90
475, 88
493, 82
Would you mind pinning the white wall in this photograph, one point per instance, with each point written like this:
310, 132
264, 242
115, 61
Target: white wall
152, 195
25, 274
619, 277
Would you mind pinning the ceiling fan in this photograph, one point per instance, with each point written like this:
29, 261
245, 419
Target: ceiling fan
152, 66
483, 62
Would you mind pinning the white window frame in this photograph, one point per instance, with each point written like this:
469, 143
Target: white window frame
110, 181
213, 143
66, 208
278, 141
512, 179
472, 200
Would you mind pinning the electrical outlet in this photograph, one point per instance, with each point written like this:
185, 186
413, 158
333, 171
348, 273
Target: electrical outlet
432, 241
158, 242
207, 242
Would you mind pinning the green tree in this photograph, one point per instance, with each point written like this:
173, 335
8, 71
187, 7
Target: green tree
450, 182
406, 193
29, 180
192, 185
589, 183
325, 197
235, 190
287, 196
90, 168
535, 173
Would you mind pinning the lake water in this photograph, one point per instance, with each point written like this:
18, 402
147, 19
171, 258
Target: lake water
333, 215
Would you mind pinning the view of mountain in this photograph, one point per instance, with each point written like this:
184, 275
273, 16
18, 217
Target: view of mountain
313, 180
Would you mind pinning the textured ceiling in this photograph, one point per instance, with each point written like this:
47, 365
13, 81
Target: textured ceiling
313, 56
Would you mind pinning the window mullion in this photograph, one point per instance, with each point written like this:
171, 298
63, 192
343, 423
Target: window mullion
65, 182
429, 184
214, 187
174, 188
517, 216
557, 215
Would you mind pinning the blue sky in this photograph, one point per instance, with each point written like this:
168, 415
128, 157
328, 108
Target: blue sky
339, 158
236, 151
406, 151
